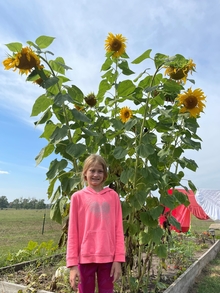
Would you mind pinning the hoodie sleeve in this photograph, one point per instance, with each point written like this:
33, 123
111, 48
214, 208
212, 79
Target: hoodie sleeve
72, 256
120, 246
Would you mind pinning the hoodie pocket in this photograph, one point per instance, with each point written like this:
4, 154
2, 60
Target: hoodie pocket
97, 243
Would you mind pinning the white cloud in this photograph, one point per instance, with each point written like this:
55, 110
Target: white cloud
4, 172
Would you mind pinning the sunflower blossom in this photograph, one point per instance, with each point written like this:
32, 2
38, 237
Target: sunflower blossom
180, 73
191, 102
116, 44
125, 114
24, 61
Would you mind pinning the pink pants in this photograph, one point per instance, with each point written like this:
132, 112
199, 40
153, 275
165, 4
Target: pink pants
88, 273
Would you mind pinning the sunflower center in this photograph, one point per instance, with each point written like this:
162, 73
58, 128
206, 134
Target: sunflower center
25, 62
127, 114
190, 102
116, 45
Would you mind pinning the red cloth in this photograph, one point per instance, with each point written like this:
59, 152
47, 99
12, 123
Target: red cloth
182, 213
194, 207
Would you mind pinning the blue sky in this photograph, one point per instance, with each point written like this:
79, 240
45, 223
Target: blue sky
189, 27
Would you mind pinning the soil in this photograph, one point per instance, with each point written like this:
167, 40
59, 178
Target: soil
51, 275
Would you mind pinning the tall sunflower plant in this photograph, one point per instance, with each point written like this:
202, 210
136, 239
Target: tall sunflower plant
141, 123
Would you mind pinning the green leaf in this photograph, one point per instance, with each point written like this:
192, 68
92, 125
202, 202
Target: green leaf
168, 201
56, 194
30, 43
141, 196
55, 167
68, 184
48, 130
40, 105
76, 150
126, 208
144, 238
46, 116
175, 223
107, 64
59, 134
14, 47
89, 132
58, 65
44, 41
147, 219
192, 186
60, 99
125, 68
55, 212
190, 164
161, 251
191, 80
104, 86
142, 57
119, 152
125, 88
156, 234
130, 123
159, 59
191, 143
156, 212
49, 82
76, 94
126, 175
181, 197
144, 150
80, 116
51, 188
45, 152
146, 82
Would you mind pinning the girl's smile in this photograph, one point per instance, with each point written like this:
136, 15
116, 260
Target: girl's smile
95, 176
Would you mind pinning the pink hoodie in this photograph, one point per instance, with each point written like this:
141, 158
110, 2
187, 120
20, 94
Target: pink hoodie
95, 233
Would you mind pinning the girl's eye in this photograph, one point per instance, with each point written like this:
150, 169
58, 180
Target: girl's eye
98, 171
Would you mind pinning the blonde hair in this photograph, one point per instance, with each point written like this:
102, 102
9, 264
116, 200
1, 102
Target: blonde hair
91, 160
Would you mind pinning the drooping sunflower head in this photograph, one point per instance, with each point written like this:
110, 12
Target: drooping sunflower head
91, 100
180, 71
115, 43
191, 101
24, 60
125, 114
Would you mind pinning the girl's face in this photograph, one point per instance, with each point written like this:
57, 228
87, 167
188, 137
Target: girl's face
95, 176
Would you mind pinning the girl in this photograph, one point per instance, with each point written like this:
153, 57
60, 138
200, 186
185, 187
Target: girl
95, 245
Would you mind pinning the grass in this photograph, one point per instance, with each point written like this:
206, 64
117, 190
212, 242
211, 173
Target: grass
208, 281
18, 227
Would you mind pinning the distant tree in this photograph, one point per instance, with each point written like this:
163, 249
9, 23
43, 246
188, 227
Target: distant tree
41, 204
3, 202
16, 204
32, 203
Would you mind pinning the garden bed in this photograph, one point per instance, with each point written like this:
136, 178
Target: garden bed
42, 275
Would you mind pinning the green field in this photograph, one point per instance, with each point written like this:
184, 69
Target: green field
18, 227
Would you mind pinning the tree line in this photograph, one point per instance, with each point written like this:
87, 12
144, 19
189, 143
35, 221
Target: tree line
22, 203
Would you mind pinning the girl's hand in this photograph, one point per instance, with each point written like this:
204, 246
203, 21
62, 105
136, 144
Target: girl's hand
115, 271
74, 277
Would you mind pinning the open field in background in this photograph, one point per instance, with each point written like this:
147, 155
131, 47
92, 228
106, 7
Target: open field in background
18, 227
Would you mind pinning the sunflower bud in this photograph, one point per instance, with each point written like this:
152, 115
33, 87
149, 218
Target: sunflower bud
91, 100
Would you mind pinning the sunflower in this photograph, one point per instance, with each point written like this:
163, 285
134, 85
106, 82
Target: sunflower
24, 61
91, 100
191, 102
116, 44
125, 114
180, 73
